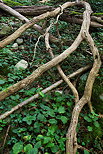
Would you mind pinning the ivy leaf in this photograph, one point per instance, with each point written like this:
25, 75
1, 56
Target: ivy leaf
46, 140
27, 138
41, 117
53, 121
90, 129
2, 81
54, 149
28, 147
38, 145
18, 147
52, 129
64, 119
86, 152
28, 119
33, 151
51, 113
87, 119
50, 145
96, 123
39, 137
61, 109
41, 94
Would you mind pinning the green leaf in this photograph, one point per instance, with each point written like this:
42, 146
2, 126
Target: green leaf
83, 143
87, 119
64, 119
54, 149
41, 117
53, 121
47, 140
39, 137
37, 145
96, 123
41, 94
90, 129
50, 145
28, 119
61, 109
27, 138
51, 113
1, 128
59, 99
86, 152
18, 147
15, 97
28, 147
44, 107
2, 81
52, 129
33, 151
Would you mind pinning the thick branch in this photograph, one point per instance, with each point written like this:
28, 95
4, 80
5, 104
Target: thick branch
22, 18
21, 84
79, 21
81, 70
18, 32
70, 144
62, 74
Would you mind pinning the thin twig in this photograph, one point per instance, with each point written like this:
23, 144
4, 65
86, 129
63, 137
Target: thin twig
75, 92
6, 136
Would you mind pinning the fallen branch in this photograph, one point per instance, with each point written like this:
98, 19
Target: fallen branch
29, 100
27, 25
38, 10
70, 144
79, 21
21, 84
65, 78
22, 18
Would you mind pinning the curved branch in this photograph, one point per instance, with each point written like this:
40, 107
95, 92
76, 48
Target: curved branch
21, 84
29, 100
27, 25
22, 18
70, 144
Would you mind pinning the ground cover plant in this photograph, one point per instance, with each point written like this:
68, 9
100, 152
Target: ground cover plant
55, 104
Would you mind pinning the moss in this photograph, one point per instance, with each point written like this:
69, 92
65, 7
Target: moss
11, 3
97, 14
75, 13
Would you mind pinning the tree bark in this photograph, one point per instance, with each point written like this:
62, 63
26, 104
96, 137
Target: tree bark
29, 100
38, 10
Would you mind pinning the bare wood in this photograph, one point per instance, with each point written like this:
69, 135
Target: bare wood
29, 100
13, 12
70, 146
37, 10
18, 32
33, 10
79, 21
22, 18
6, 135
21, 84
62, 74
